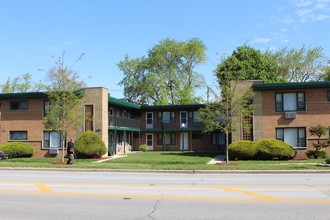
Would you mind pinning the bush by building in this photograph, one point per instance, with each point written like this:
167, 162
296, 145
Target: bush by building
90, 145
268, 149
17, 149
143, 147
242, 150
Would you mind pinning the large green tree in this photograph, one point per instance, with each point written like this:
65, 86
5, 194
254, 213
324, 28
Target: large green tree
247, 63
65, 98
166, 75
301, 64
21, 83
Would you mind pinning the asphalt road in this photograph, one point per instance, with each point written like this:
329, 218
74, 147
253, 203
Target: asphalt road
135, 195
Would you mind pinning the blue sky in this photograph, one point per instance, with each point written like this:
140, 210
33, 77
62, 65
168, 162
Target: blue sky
33, 32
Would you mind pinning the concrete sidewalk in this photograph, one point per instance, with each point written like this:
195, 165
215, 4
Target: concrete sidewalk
217, 159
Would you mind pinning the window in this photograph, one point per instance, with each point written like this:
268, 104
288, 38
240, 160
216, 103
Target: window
46, 107
218, 139
296, 137
18, 105
197, 136
193, 116
52, 139
166, 117
328, 95
169, 139
290, 101
18, 135
89, 118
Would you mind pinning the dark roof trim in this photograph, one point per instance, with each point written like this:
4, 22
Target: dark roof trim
26, 95
165, 107
291, 85
122, 102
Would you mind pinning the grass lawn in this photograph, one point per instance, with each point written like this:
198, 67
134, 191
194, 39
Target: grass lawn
166, 161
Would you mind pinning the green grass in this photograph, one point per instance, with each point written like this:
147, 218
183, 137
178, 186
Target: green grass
166, 161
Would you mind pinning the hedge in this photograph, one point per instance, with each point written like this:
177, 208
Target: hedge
242, 150
268, 149
17, 149
89, 145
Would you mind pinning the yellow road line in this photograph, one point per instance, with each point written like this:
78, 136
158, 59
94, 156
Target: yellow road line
248, 193
43, 188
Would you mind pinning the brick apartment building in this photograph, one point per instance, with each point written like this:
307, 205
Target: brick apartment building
285, 111
123, 126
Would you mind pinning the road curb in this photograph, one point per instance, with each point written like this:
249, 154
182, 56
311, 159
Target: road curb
171, 171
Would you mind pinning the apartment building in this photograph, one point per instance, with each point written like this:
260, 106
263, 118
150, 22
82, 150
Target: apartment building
286, 111
123, 126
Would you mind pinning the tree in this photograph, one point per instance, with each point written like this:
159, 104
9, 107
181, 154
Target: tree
21, 84
319, 131
227, 114
327, 74
65, 98
247, 63
301, 65
166, 75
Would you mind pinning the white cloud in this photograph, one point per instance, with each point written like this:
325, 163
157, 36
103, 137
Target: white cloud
261, 40
320, 17
313, 10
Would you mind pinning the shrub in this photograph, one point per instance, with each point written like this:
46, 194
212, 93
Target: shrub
268, 149
89, 145
327, 161
242, 150
143, 147
316, 154
17, 149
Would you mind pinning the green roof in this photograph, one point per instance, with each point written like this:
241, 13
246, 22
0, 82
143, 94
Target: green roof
25, 95
121, 102
164, 107
291, 85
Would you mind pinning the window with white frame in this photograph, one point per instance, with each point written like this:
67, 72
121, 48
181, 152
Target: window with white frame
293, 101
52, 139
18, 135
296, 137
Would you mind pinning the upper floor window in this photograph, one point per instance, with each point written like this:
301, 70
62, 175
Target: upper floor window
193, 116
166, 117
18, 135
18, 105
328, 95
293, 101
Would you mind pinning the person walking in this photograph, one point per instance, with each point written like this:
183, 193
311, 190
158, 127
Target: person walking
70, 151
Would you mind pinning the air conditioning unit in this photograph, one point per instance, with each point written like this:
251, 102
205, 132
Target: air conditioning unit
53, 151
290, 115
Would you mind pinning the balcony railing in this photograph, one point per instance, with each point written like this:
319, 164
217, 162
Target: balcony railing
123, 122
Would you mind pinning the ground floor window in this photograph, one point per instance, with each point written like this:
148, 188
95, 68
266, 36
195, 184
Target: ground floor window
18, 135
296, 137
218, 139
53, 139
169, 139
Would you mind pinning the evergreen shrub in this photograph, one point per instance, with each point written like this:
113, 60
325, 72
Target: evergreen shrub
268, 149
17, 149
242, 150
143, 147
89, 145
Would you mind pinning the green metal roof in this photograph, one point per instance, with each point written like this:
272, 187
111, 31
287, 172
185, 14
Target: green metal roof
122, 102
164, 107
26, 95
291, 85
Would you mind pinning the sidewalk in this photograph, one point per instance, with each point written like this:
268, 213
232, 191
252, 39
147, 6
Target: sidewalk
217, 159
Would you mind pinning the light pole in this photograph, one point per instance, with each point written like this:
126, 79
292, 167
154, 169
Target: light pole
183, 125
